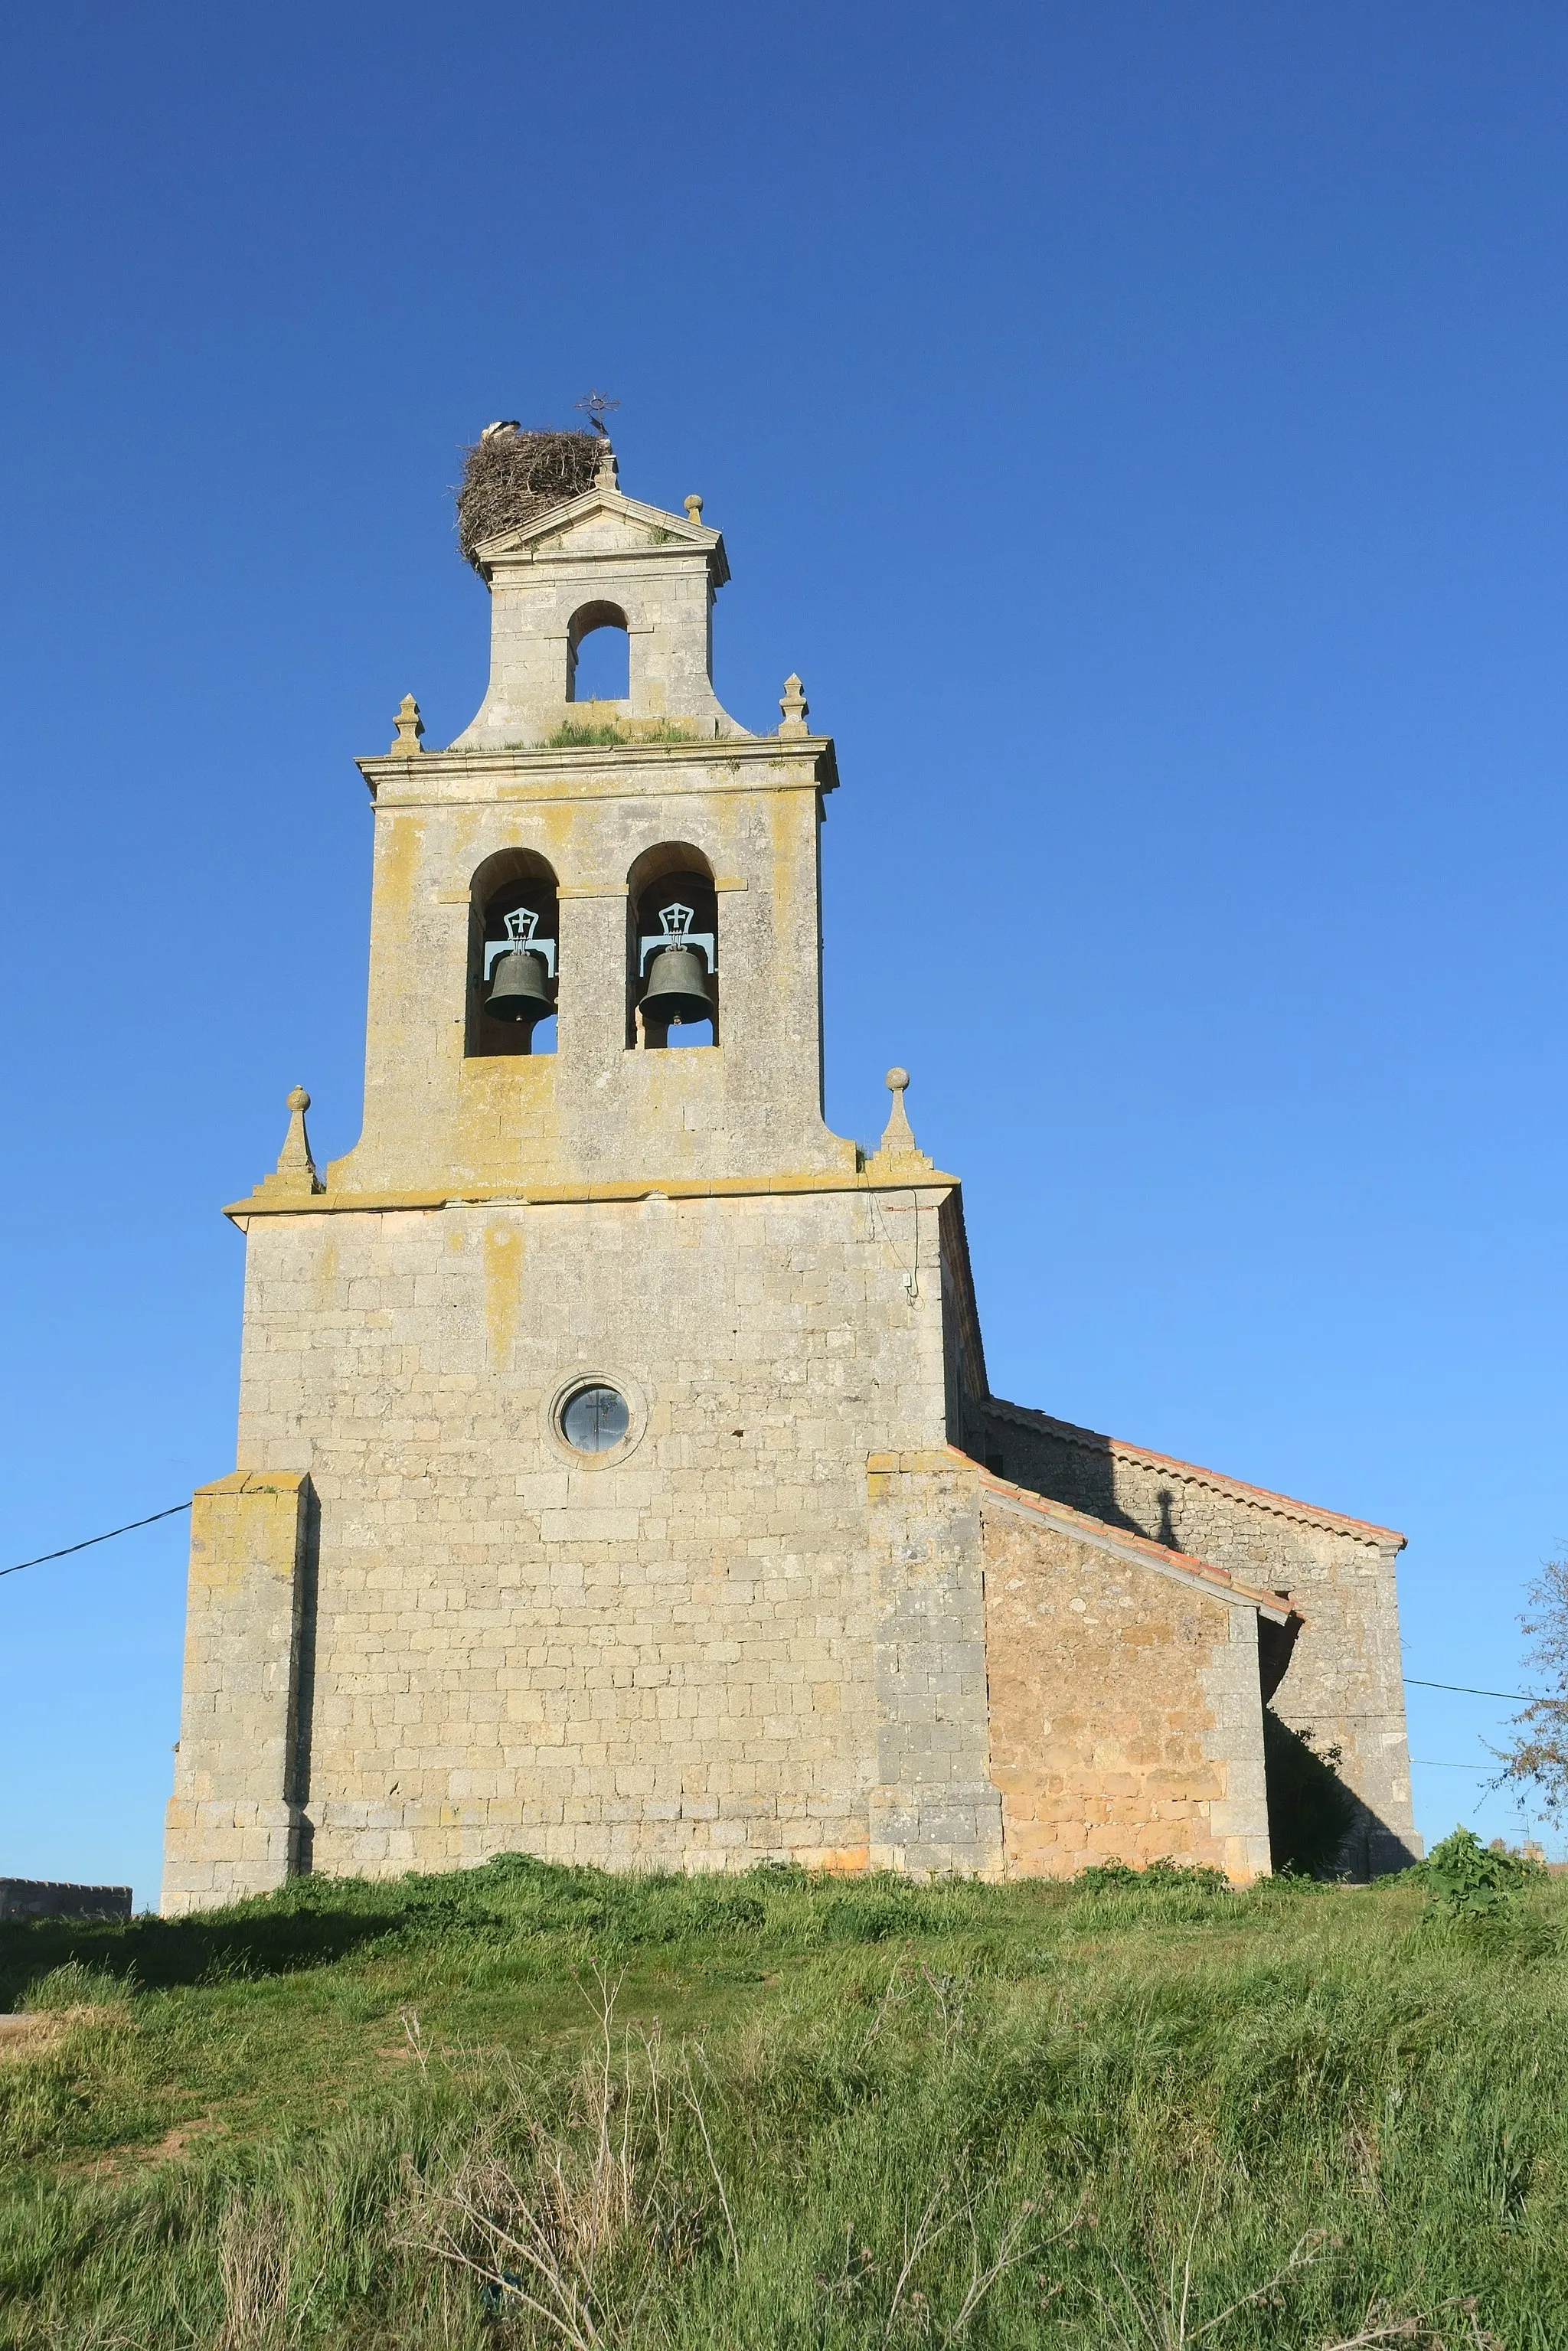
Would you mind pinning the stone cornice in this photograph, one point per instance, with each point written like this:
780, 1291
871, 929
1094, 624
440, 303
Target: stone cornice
928, 1191
582, 561
597, 771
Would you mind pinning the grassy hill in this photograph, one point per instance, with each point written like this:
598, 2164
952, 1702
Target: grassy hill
525, 2105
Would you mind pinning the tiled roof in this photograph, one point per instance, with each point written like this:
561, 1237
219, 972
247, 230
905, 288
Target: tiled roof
1130, 1546
1256, 1497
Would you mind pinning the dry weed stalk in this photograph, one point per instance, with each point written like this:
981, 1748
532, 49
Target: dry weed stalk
695, 2102
414, 2034
253, 2262
1015, 2246
1169, 2328
540, 2236
950, 1994
893, 1993
1382, 2327
1010, 2251
927, 2229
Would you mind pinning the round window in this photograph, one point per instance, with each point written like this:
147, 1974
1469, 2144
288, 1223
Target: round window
595, 1419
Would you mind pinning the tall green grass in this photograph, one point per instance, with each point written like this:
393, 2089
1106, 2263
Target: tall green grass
524, 2106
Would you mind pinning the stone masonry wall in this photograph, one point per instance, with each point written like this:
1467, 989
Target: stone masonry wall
1126, 1723
672, 1658
1343, 1682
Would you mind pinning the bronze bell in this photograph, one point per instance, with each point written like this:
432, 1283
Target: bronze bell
677, 986
520, 988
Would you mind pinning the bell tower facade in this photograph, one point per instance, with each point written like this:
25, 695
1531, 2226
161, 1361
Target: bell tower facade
553, 1527
618, 1477
613, 825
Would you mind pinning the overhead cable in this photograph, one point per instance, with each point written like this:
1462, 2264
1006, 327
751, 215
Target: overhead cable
130, 1528
1414, 1681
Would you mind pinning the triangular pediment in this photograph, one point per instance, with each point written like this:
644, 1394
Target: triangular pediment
603, 521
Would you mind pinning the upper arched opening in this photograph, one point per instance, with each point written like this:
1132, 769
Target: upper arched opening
597, 655
667, 857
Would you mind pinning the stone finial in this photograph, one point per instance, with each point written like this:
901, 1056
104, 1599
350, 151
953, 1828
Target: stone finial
794, 704
608, 476
295, 1176
898, 1135
898, 1154
694, 508
410, 727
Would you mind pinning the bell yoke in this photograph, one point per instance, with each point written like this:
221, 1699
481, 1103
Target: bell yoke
673, 984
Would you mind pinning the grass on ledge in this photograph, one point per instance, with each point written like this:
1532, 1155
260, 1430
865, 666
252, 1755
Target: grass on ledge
595, 729
524, 2106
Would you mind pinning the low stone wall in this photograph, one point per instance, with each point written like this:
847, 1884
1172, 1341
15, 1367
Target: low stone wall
39, 1898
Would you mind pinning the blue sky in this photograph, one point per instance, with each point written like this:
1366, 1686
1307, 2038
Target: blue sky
1142, 428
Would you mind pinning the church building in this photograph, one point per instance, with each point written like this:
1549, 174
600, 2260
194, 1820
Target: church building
619, 1479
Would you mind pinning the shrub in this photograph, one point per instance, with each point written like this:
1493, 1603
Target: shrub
1121, 1877
1466, 1879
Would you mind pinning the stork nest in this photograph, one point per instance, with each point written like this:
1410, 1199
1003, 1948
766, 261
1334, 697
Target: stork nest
511, 476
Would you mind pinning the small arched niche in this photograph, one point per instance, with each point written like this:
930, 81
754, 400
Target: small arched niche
513, 956
597, 655
672, 992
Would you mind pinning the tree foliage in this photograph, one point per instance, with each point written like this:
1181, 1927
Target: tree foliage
1538, 1756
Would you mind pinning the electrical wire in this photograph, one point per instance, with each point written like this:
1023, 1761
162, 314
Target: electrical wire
1414, 1681
132, 1524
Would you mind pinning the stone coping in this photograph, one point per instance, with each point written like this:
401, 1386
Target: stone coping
542, 1195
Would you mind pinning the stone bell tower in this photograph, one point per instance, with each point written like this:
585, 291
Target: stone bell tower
553, 1528
596, 807
618, 1477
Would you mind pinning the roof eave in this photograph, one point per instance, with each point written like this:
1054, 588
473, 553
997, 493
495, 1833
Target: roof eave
1262, 1497
1138, 1548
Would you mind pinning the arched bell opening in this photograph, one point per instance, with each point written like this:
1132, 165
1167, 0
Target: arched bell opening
598, 655
513, 956
671, 996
